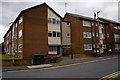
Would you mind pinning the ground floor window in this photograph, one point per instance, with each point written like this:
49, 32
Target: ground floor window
52, 48
66, 46
117, 46
87, 46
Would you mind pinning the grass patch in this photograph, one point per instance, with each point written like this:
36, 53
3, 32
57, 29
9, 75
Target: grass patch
5, 56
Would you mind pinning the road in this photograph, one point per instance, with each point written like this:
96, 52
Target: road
96, 69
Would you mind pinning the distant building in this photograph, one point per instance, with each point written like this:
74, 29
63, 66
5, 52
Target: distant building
2, 48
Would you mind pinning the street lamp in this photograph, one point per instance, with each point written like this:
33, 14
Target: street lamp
99, 33
96, 17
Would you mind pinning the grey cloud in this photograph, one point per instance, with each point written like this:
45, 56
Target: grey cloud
10, 10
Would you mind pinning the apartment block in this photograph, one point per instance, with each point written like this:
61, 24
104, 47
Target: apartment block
37, 30
90, 36
40, 30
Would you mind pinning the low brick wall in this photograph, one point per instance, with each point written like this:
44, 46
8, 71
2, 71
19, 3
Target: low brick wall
20, 62
47, 60
82, 55
17, 62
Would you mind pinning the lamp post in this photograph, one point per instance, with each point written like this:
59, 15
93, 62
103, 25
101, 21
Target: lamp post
100, 48
96, 15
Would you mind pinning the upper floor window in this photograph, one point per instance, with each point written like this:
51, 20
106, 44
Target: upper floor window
115, 26
102, 36
117, 37
20, 20
58, 22
53, 34
49, 20
20, 33
68, 23
119, 27
20, 48
53, 21
101, 26
87, 34
86, 23
16, 24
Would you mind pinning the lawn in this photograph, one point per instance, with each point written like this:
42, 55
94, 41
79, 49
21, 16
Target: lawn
5, 56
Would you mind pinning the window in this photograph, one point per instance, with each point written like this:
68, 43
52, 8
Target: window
58, 34
96, 34
20, 20
93, 33
16, 25
117, 46
54, 34
115, 26
119, 27
87, 34
102, 36
58, 22
87, 46
49, 20
66, 46
117, 37
86, 23
54, 21
68, 34
101, 26
52, 48
98, 46
92, 23
68, 23
49, 33
20, 33
104, 46
20, 48
15, 36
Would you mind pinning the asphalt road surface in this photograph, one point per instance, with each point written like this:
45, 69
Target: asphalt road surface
95, 69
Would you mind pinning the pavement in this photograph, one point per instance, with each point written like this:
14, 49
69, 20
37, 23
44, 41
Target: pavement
63, 62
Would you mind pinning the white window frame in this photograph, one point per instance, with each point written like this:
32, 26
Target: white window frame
20, 20
16, 25
119, 27
87, 34
87, 46
52, 49
20, 33
20, 46
86, 23
115, 26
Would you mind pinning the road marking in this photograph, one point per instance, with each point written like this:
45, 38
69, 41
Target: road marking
66, 65
80, 63
110, 76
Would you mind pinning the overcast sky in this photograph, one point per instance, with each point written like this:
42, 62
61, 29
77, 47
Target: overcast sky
11, 8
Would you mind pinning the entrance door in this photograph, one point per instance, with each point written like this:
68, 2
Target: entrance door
58, 49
